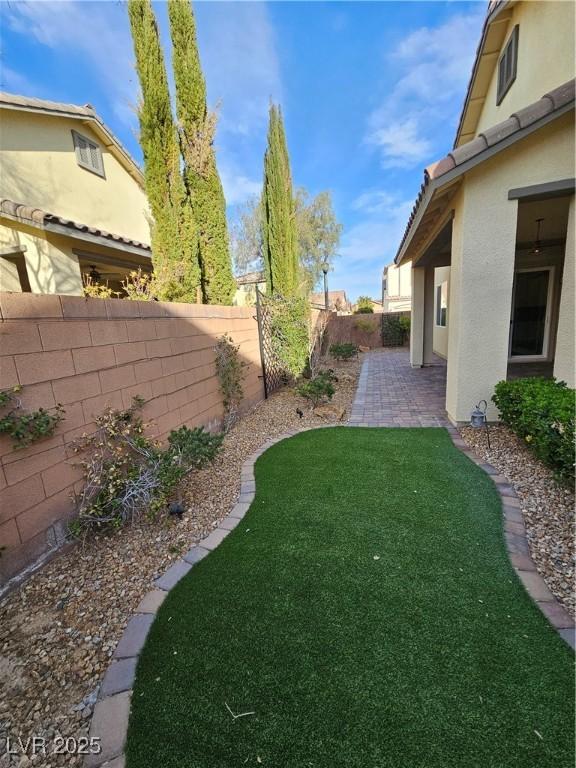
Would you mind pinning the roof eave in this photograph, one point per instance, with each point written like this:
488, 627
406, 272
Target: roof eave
434, 185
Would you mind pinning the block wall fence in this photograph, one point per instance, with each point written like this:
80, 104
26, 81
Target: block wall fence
88, 354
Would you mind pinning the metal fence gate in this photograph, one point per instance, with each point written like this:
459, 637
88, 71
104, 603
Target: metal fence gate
273, 373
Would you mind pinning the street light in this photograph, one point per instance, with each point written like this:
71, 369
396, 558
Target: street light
325, 267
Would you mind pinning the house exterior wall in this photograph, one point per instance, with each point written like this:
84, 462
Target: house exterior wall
89, 354
565, 361
441, 275
483, 258
398, 293
39, 168
545, 57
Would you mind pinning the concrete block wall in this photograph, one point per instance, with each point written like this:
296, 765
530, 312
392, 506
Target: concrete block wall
88, 354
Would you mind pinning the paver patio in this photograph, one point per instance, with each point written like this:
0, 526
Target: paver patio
393, 394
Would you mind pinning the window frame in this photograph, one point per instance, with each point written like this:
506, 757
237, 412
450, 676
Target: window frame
509, 54
76, 138
441, 313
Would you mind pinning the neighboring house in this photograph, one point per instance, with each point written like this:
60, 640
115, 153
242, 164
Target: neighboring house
497, 215
72, 200
337, 302
397, 287
246, 285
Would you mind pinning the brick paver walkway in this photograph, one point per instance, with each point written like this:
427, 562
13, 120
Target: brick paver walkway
392, 394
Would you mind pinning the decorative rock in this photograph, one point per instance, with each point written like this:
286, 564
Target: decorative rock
329, 412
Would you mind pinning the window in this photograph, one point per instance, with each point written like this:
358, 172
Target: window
88, 154
384, 285
441, 304
507, 65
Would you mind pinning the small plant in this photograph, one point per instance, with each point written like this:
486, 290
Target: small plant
138, 286
230, 370
365, 325
319, 389
541, 412
95, 290
25, 427
128, 475
344, 351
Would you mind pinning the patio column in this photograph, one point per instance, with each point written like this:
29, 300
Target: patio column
481, 280
564, 358
422, 317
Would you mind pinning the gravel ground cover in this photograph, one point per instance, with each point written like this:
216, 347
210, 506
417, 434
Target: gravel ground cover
548, 507
59, 629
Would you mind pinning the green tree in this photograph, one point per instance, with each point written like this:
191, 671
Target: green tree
279, 237
364, 306
197, 128
246, 237
318, 234
174, 236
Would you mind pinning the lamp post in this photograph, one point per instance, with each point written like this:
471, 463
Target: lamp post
325, 267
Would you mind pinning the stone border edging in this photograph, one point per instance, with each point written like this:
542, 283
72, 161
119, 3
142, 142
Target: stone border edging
112, 710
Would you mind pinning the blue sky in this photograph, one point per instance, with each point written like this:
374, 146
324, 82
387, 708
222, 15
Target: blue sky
371, 93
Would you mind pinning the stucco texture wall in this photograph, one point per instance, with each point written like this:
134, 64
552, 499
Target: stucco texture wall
545, 57
39, 168
88, 354
483, 255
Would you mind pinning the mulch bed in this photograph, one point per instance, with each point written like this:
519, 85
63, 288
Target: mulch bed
59, 629
548, 507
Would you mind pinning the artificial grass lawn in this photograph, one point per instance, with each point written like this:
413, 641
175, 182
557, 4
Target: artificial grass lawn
430, 656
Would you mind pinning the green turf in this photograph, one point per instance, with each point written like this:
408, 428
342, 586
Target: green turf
430, 656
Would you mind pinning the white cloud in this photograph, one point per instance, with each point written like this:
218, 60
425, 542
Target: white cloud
96, 31
435, 64
238, 188
238, 51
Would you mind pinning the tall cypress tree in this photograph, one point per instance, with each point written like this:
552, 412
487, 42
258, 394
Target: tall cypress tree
280, 241
197, 128
174, 236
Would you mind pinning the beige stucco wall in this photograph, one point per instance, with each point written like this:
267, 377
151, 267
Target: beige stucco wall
397, 297
545, 57
39, 168
565, 360
441, 275
483, 255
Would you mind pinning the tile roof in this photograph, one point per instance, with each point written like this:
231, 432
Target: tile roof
546, 107
333, 297
43, 219
251, 278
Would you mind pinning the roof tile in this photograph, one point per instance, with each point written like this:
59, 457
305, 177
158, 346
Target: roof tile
562, 95
533, 112
501, 131
468, 150
26, 213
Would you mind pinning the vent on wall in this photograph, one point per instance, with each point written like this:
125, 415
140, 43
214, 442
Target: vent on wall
507, 65
88, 154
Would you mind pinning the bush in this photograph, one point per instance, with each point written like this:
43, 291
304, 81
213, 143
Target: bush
319, 389
344, 351
395, 330
541, 411
230, 370
364, 311
127, 475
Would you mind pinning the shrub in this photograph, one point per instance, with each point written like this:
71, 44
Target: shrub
344, 351
395, 330
365, 325
127, 475
289, 331
319, 389
364, 311
25, 427
364, 306
229, 368
541, 411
